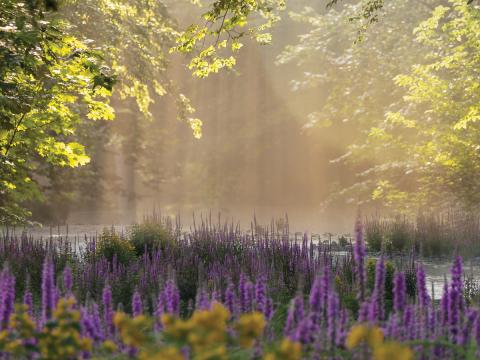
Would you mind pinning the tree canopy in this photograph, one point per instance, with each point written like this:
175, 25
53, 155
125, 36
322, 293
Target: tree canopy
49, 81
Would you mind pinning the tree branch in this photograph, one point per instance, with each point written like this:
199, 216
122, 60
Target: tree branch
15, 131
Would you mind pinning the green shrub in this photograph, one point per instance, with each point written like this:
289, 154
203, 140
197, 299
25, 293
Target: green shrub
111, 244
374, 231
149, 235
399, 236
343, 241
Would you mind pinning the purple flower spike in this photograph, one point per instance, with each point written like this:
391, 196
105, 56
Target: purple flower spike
399, 292
230, 298
107, 310
260, 295
48, 289
243, 293
315, 299
295, 314
172, 297
332, 316
359, 253
137, 306
7, 297
28, 301
423, 297
454, 313
457, 273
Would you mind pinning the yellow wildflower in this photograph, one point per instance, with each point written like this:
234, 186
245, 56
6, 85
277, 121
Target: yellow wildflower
392, 350
109, 346
364, 333
165, 353
288, 350
217, 353
250, 327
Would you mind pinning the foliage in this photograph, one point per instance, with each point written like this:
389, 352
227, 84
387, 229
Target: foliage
379, 350
50, 80
114, 247
151, 236
233, 324
59, 338
437, 127
226, 23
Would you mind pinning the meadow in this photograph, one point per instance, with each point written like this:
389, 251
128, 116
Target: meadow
217, 292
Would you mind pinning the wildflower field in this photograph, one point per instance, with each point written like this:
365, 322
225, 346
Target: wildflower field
219, 293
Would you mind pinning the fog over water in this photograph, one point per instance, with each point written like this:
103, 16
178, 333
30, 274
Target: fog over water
255, 157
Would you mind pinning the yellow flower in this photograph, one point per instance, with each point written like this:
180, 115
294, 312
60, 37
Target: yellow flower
13, 345
166, 353
392, 350
288, 350
109, 346
250, 326
364, 333
217, 353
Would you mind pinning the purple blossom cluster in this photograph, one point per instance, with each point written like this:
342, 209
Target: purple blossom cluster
247, 274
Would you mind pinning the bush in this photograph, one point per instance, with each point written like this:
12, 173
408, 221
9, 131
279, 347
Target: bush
149, 235
343, 241
400, 236
374, 231
111, 244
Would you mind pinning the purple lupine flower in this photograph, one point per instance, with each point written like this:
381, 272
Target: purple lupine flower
107, 310
172, 297
377, 308
137, 306
468, 328
305, 331
315, 299
457, 273
48, 289
342, 327
333, 308
444, 304
399, 292
250, 295
28, 301
260, 295
216, 296
359, 253
393, 326
363, 312
408, 323
203, 302
269, 309
160, 310
423, 297
295, 315
457, 282
97, 322
67, 280
298, 308
243, 293
86, 323
454, 313
230, 298
7, 297
432, 321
